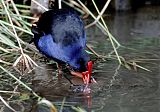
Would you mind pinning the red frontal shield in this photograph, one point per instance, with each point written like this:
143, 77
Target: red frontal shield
87, 75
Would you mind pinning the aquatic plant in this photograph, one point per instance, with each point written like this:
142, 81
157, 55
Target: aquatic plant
15, 51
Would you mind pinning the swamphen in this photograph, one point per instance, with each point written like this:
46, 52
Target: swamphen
59, 34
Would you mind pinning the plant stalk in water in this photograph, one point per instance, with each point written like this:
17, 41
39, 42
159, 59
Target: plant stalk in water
106, 29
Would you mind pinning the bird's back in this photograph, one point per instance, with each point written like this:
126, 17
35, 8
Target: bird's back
60, 35
64, 25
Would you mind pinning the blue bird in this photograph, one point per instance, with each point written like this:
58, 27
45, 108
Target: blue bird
59, 35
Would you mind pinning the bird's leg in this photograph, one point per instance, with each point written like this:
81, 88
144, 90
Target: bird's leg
68, 80
60, 69
66, 70
59, 66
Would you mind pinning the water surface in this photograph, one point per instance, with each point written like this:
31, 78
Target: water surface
117, 90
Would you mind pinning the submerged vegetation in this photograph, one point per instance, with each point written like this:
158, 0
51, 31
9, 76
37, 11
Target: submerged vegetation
17, 56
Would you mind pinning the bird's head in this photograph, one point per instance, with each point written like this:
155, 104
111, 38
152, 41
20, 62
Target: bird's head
84, 70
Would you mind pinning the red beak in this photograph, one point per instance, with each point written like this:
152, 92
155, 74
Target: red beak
86, 76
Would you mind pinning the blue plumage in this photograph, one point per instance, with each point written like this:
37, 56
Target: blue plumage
59, 34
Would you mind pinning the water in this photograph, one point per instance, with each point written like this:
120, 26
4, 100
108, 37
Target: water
122, 90
117, 90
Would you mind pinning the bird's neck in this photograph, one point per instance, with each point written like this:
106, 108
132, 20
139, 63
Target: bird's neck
79, 61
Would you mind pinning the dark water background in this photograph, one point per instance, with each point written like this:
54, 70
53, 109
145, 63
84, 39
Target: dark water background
117, 91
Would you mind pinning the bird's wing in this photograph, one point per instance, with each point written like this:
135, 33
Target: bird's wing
64, 26
67, 29
48, 47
